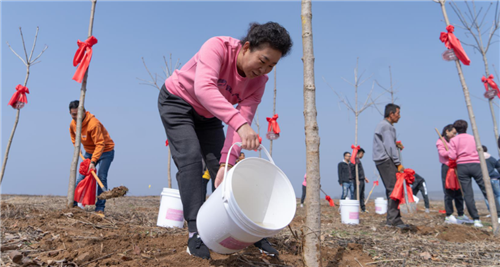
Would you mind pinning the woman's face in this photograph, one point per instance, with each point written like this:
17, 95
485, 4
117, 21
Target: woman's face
451, 134
258, 62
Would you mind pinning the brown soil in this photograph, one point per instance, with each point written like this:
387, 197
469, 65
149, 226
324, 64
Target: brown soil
48, 234
455, 233
113, 193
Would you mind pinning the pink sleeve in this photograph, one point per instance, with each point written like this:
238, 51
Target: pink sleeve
441, 149
247, 109
211, 57
452, 153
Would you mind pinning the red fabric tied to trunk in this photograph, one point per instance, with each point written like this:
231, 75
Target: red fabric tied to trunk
330, 200
375, 183
19, 98
398, 193
355, 150
489, 81
83, 56
86, 189
452, 42
451, 176
166, 143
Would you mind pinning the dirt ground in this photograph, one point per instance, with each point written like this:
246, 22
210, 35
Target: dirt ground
41, 231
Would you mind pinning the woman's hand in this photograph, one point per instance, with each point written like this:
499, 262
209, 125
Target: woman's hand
220, 175
249, 138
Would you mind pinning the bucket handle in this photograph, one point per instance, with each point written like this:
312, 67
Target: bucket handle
224, 197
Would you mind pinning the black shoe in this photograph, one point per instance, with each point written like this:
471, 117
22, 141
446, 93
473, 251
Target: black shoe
265, 247
403, 226
197, 248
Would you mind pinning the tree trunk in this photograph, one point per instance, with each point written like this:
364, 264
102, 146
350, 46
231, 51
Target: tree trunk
492, 109
312, 230
484, 168
258, 127
18, 113
274, 109
76, 153
356, 128
169, 168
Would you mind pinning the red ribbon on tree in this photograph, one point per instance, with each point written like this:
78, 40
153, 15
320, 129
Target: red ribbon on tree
85, 191
451, 181
273, 129
19, 98
398, 193
83, 56
330, 200
355, 150
452, 42
375, 183
489, 81
166, 143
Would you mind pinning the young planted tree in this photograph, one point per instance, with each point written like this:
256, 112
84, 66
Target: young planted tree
167, 71
312, 244
484, 168
19, 98
274, 109
473, 24
356, 109
78, 141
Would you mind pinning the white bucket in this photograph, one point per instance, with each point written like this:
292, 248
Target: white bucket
349, 211
255, 200
380, 205
171, 213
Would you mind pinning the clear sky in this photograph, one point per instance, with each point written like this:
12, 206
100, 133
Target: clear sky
403, 35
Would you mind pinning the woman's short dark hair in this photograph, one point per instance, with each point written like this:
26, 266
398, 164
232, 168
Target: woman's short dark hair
73, 104
270, 33
485, 149
390, 108
446, 128
460, 126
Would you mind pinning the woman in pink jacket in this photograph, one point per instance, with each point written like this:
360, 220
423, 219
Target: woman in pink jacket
450, 195
464, 151
196, 99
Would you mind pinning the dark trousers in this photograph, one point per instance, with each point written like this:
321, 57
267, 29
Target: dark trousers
303, 194
451, 195
191, 138
465, 174
422, 187
387, 171
361, 194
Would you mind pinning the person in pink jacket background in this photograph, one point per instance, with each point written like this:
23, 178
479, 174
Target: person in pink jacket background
463, 150
450, 195
304, 187
196, 100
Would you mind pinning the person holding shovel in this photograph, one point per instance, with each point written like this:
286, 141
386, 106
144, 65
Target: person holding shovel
98, 145
362, 178
463, 150
195, 101
450, 195
387, 161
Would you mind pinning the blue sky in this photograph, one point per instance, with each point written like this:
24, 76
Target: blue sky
403, 35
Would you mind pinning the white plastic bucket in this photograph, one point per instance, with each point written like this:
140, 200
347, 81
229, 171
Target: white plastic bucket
171, 213
380, 205
255, 200
349, 211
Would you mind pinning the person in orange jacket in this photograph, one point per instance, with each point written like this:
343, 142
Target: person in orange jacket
99, 147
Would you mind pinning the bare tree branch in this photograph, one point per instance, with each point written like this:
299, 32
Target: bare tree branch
24, 46
39, 55
341, 99
17, 54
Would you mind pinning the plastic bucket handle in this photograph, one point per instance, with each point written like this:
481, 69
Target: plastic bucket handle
225, 194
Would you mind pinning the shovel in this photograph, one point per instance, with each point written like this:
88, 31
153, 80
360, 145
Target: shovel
407, 207
328, 198
107, 194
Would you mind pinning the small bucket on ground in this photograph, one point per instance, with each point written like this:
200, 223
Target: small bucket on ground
380, 205
170, 214
255, 200
349, 211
